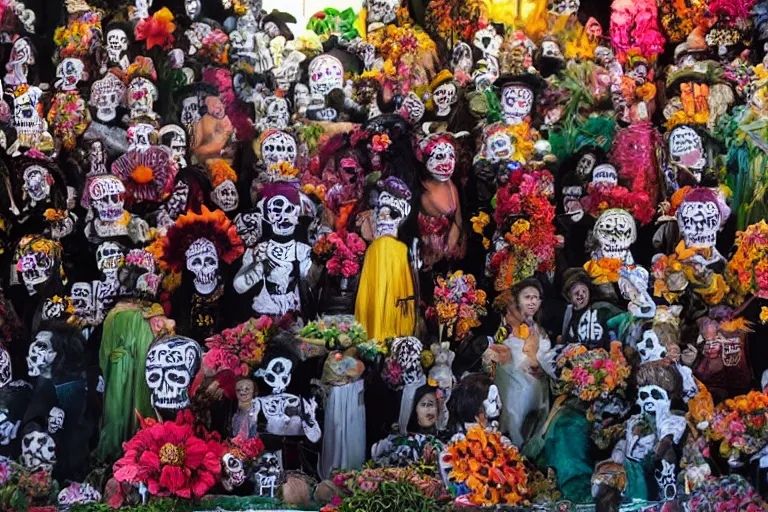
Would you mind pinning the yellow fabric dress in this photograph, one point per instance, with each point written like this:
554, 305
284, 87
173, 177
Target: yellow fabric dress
385, 303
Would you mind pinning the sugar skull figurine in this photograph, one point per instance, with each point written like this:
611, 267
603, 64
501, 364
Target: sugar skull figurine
326, 73
172, 363
31, 127
107, 95
107, 218
117, 47
614, 232
39, 263
700, 216
275, 266
687, 152
223, 180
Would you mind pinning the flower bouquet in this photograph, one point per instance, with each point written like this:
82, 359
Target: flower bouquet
592, 374
485, 470
747, 271
458, 304
341, 253
741, 425
240, 348
335, 332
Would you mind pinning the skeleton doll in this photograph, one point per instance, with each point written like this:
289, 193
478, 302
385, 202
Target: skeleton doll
38, 261
69, 114
652, 435
267, 473
615, 231
286, 414
107, 95
172, 362
31, 127
117, 48
107, 218
275, 266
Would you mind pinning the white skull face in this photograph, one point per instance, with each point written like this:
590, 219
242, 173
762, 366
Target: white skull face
37, 183
412, 108
26, 119
650, 348
5, 367
391, 212
41, 355
687, 150
633, 285
442, 161
38, 449
551, 50
615, 231
325, 74
172, 362
652, 399
492, 404
82, 299
107, 195
190, 110
106, 95
589, 329
277, 113
585, 165
516, 102
606, 174
498, 147
203, 262
278, 147
141, 97
36, 268
445, 96
234, 471
381, 11
69, 72
699, 223
177, 143
192, 8
277, 374
225, 196
563, 7
282, 215
8, 429
140, 137
109, 258
488, 41
301, 98
55, 420
249, 228
117, 45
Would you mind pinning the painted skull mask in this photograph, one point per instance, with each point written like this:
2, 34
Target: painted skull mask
82, 299
686, 150
37, 183
499, 146
282, 215
175, 138
699, 222
445, 96
278, 147
225, 196
277, 374
203, 262
142, 95
234, 471
55, 420
117, 46
107, 197
276, 113
650, 348
36, 267
441, 160
172, 363
326, 73
69, 72
107, 95
109, 258
615, 231
652, 399
516, 103
249, 228
391, 212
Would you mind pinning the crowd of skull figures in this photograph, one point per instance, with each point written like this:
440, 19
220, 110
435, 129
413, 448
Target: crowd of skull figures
414, 256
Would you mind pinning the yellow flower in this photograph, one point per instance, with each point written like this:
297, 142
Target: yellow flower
479, 222
520, 226
764, 314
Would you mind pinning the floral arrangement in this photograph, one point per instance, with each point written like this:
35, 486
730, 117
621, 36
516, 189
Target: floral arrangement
604, 270
336, 331
741, 425
456, 21
76, 39
529, 241
342, 253
156, 30
69, 117
371, 480
592, 374
674, 272
602, 196
731, 492
22, 488
240, 348
487, 470
459, 304
747, 270
171, 460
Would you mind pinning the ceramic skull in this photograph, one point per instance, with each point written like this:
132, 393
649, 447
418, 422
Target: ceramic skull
109, 258
36, 268
38, 449
282, 215
37, 183
106, 95
445, 96
117, 47
107, 196
516, 102
225, 196
686, 150
276, 113
203, 262
172, 362
615, 231
249, 227
277, 374
142, 95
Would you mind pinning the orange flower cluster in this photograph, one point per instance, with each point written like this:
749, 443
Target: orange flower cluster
592, 374
493, 473
604, 270
674, 272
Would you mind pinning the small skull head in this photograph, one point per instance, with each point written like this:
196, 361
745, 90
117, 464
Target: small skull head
107, 195
141, 137
225, 196
381, 11
699, 222
499, 146
686, 150
172, 362
36, 268
277, 113
282, 215
41, 355
442, 161
391, 212
615, 231
142, 95
652, 398
5, 367
55, 420
117, 45
37, 183
175, 138
650, 348
234, 471
277, 374
517, 102
38, 450
203, 262
326, 73
70, 71
106, 95
82, 299
278, 147
190, 110
109, 258
445, 96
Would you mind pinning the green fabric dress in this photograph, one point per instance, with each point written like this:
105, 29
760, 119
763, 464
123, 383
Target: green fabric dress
122, 357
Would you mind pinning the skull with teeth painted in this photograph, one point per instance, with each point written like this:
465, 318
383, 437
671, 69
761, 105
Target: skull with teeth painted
172, 362
203, 262
615, 231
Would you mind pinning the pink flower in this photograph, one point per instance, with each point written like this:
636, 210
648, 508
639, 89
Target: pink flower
349, 268
580, 375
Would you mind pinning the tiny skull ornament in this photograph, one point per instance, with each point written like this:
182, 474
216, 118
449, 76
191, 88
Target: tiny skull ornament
38, 450
107, 196
445, 97
441, 157
650, 348
117, 48
499, 146
699, 222
41, 355
277, 374
282, 215
203, 262
37, 183
225, 196
69, 72
516, 102
141, 137
412, 108
652, 399
55, 420
326, 73
109, 258
107, 95
172, 363
82, 299
615, 231
234, 471
36, 268
22, 56
278, 147
686, 150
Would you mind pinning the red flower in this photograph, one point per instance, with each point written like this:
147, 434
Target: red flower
170, 460
157, 30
